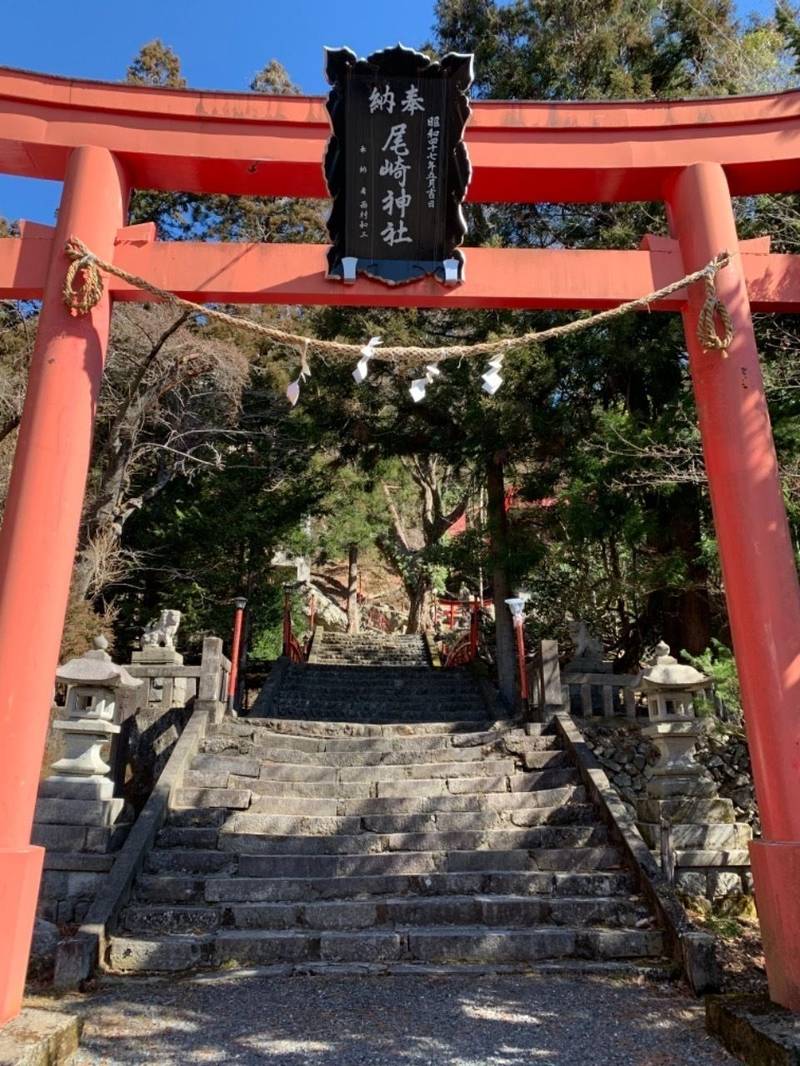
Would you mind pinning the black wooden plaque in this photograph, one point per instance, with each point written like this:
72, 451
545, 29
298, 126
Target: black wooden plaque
396, 165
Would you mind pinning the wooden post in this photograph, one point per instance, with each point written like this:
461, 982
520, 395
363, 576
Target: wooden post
353, 620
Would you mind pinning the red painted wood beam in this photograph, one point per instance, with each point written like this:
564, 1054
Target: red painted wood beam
294, 274
249, 143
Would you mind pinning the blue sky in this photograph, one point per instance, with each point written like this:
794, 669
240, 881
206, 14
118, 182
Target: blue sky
221, 46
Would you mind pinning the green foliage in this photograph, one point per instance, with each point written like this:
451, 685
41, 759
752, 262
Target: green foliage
718, 663
156, 64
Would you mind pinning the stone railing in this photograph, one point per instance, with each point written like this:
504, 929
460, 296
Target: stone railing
606, 695
172, 684
589, 691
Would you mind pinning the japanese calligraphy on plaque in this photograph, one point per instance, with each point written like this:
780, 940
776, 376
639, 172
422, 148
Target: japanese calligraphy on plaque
396, 165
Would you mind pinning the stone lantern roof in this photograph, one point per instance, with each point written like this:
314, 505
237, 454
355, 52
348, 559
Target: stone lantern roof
96, 668
667, 672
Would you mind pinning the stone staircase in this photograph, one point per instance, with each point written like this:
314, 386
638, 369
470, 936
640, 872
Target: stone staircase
369, 649
319, 844
371, 678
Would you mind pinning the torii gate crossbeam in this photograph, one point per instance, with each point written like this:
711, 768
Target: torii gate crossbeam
105, 139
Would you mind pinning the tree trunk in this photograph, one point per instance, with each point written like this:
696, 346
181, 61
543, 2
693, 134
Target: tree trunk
353, 621
497, 521
681, 616
419, 611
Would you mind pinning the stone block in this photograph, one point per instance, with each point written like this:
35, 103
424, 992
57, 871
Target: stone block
361, 947
60, 786
279, 771
701, 962
347, 915
473, 946
694, 810
80, 883
707, 857
78, 812
59, 837
754, 1030
172, 955
699, 837
209, 779
78, 861
148, 920
171, 889
691, 882
234, 798
620, 943
54, 885
722, 883
43, 949
39, 1038
256, 947
265, 915
106, 838
218, 764
203, 837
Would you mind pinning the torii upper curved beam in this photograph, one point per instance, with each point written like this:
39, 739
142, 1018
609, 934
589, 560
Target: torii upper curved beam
245, 143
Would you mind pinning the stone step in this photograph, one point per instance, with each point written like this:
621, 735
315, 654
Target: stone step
556, 787
322, 729
264, 802
404, 788
387, 824
725, 836
583, 859
488, 767
248, 731
185, 888
396, 911
345, 759
232, 798
713, 857
379, 715
516, 911
438, 944
500, 840
196, 817
190, 861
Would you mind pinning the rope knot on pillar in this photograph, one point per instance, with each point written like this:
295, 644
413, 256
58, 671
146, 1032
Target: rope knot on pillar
81, 298
714, 309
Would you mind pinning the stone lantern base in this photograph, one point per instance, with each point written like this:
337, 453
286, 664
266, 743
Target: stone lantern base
707, 846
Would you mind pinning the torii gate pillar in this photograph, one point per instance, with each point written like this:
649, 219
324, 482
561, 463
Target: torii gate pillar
758, 566
37, 545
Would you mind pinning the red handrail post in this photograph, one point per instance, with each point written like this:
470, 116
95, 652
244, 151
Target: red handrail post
287, 622
238, 614
473, 631
516, 605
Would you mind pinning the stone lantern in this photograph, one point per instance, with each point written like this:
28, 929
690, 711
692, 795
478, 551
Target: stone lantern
703, 849
90, 723
670, 688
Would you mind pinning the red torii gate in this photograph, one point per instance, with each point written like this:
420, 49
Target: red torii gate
104, 139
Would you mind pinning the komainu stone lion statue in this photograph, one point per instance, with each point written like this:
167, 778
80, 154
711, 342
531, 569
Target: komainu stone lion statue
161, 633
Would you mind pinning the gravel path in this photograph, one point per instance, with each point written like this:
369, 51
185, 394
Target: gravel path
395, 1021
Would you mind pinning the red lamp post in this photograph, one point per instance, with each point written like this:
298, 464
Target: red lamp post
516, 604
239, 605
